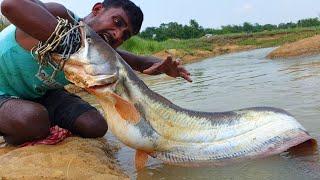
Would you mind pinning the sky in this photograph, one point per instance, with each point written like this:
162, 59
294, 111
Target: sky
212, 13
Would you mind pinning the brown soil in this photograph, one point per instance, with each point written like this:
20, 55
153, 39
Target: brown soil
270, 37
304, 47
75, 158
196, 55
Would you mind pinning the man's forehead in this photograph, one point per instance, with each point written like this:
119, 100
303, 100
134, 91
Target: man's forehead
113, 11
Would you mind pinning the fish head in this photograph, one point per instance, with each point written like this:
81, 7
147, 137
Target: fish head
94, 64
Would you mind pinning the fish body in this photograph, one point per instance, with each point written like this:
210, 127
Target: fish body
148, 122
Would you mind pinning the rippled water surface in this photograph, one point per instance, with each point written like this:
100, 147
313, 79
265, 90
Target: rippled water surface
237, 81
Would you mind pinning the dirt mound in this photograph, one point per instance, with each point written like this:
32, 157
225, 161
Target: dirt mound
304, 47
196, 55
74, 158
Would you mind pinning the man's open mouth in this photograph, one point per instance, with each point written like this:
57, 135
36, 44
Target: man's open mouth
107, 38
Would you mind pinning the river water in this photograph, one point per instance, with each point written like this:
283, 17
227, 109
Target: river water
235, 81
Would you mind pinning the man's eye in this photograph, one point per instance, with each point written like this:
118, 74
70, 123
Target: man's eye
118, 22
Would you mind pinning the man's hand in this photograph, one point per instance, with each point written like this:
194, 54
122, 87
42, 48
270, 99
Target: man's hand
153, 66
170, 67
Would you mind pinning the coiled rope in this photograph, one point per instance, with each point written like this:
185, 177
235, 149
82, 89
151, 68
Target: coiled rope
65, 40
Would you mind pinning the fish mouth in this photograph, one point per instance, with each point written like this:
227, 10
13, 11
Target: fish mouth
110, 86
102, 91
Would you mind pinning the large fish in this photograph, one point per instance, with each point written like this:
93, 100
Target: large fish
146, 121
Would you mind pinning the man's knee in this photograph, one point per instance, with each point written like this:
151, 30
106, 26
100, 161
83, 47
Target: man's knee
90, 124
25, 122
34, 116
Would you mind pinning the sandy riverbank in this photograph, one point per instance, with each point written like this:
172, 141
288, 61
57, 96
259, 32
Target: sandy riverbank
305, 47
197, 55
75, 158
301, 48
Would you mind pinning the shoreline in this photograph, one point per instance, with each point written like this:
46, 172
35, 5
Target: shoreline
199, 55
302, 48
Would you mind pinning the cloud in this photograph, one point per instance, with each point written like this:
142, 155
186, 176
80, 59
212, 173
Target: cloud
247, 7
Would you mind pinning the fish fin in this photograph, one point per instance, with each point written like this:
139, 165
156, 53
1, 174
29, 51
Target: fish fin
126, 109
141, 159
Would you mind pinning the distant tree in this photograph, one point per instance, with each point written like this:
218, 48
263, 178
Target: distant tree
174, 30
194, 24
148, 32
308, 22
287, 25
257, 27
194, 30
269, 27
247, 27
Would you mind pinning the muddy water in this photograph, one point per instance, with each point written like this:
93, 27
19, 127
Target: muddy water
236, 81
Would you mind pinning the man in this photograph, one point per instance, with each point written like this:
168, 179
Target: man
29, 105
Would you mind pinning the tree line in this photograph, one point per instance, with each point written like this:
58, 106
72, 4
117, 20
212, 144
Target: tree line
173, 30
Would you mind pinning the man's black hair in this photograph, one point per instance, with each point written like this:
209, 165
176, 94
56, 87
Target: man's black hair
133, 12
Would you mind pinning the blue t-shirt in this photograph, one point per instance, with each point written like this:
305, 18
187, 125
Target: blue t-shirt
19, 70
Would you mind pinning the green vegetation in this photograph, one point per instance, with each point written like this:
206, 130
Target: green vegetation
147, 47
174, 30
273, 38
278, 37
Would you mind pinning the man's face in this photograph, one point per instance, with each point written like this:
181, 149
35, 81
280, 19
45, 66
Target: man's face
111, 24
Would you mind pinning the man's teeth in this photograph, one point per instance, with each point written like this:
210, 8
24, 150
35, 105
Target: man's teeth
106, 38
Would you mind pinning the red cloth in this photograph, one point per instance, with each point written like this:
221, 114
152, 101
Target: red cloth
57, 135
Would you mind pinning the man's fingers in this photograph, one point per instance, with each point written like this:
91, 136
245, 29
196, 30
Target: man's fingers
185, 76
171, 67
177, 62
182, 69
152, 70
169, 59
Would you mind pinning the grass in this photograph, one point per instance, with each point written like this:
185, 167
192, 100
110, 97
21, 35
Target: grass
148, 47
277, 38
260, 40
141, 46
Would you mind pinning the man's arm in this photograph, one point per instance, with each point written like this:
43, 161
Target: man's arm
28, 14
154, 66
138, 63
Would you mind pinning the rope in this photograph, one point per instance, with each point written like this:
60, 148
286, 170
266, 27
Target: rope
65, 40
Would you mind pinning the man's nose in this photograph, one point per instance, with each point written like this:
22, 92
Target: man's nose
117, 34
